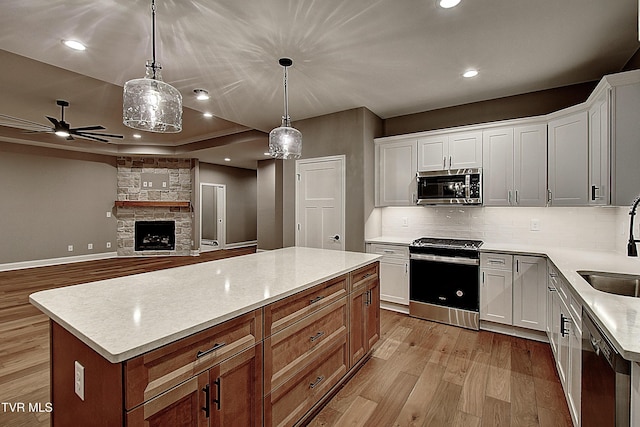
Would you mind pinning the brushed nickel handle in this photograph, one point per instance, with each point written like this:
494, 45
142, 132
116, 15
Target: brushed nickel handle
316, 336
316, 382
212, 349
316, 299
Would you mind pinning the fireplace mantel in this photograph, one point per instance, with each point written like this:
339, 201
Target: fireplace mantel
152, 204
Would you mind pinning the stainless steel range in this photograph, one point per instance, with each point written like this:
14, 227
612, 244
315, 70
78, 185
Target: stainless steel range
444, 282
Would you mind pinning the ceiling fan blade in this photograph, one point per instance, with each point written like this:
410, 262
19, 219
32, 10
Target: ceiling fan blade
55, 122
109, 135
98, 127
16, 122
93, 138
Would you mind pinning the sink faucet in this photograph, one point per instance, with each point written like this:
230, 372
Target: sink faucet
632, 250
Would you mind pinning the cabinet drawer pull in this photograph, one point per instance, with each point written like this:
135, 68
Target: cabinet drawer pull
389, 251
206, 408
563, 322
496, 261
218, 393
316, 336
316, 382
316, 299
215, 347
552, 289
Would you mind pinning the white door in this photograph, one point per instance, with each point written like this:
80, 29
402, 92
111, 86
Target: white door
320, 202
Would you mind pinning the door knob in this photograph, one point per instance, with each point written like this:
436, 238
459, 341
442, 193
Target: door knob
335, 238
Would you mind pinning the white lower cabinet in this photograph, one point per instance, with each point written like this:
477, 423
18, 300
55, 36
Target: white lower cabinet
565, 336
394, 272
513, 290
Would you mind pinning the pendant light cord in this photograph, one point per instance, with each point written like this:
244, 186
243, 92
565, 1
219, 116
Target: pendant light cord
153, 36
287, 119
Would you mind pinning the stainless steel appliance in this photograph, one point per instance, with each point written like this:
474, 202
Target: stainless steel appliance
606, 382
444, 281
461, 186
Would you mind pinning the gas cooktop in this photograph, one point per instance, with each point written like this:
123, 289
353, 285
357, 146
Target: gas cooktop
431, 242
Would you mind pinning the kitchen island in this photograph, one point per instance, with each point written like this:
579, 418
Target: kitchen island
184, 343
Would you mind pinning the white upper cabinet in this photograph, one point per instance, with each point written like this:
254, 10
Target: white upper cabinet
515, 166
456, 150
625, 143
599, 151
568, 162
395, 173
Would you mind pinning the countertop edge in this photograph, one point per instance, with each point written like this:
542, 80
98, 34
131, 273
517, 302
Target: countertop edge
159, 342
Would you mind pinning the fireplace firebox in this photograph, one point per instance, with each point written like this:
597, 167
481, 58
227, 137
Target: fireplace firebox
155, 235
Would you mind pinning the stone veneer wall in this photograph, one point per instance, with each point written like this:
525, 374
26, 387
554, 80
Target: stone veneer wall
180, 187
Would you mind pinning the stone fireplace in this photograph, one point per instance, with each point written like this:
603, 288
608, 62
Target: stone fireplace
154, 209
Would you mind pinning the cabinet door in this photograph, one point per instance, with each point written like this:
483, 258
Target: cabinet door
433, 153
530, 292
465, 150
599, 152
496, 296
568, 163
575, 373
394, 280
530, 165
236, 390
372, 315
184, 405
563, 321
497, 173
357, 313
396, 164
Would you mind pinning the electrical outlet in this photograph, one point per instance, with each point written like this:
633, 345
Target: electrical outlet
405, 221
535, 225
108, 245
70, 248
164, 184
78, 379
108, 214
90, 246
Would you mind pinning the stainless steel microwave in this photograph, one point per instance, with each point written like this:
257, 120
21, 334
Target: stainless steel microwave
459, 186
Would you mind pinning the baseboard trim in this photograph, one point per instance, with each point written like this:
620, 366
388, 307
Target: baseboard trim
392, 306
515, 331
56, 261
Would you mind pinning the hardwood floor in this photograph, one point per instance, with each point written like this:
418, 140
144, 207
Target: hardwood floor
421, 373
429, 374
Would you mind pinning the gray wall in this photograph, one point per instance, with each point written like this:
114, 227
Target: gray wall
269, 175
54, 198
241, 191
347, 132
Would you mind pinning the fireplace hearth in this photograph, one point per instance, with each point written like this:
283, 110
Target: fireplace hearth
155, 235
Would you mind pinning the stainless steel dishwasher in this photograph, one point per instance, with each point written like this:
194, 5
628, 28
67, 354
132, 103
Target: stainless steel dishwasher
606, 381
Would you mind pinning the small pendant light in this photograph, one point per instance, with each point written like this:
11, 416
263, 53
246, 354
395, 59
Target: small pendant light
150, 104
285, 142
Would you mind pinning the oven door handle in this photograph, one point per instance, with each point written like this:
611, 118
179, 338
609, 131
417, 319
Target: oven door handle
447, 259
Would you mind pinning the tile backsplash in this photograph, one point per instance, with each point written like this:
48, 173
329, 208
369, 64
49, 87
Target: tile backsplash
594, 228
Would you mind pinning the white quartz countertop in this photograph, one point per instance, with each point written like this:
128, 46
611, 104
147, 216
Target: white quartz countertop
618, 316
391, 240
124, 317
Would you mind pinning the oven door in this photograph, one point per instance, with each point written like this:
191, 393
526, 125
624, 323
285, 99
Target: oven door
445, 281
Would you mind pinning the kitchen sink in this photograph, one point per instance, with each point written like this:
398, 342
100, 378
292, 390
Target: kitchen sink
613, 283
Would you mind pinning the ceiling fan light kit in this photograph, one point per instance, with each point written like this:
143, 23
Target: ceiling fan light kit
149, 104
285, 142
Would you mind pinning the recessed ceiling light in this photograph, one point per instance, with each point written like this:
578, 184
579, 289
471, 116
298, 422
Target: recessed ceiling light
207, 115
73, 44
201, 94
470, 73
226, 159
137, 136
447, 4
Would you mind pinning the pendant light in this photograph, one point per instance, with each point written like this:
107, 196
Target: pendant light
285, 142
150, 104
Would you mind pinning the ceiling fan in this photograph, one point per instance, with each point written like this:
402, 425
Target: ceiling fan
60, 127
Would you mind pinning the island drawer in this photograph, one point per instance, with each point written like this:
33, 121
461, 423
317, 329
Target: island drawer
396, 251
289, 350
152, 373
286, 312
364, 275
289, 402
